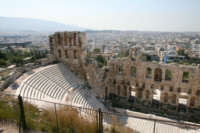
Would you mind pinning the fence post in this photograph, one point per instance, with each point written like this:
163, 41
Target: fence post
56, 117
22, 119
97, 121
19, 127
100, 121
154, 127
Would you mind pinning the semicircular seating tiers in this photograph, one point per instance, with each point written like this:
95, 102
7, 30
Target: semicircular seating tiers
56, 83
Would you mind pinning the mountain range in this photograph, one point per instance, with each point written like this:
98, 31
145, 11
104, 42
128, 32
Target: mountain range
17, 25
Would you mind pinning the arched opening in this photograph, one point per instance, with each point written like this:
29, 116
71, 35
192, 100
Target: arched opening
171, 88
158, 75
75, 37
120, 69
106, 93
66, 54
192, 102
137, 84
128, 83
118, 90
179, 90
147, 94
139, 94
129, 91
114, 82
70, 41
80, 41
161, 87
185, 78
59, 39
165, 97
65, 39
59, 53
75, 54
198, 93
190, 91
143, 86
125, 91
133, 71
168, 75
152, 86
149, 73
173, 99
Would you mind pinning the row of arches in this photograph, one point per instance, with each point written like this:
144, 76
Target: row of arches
163, 88
142, 93
149, 74
71, 39
172, 98
121, 90
157, 74
168, 75
132, 71
189, 91
67, 53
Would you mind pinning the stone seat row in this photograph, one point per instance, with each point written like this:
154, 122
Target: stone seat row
83, 97
49, 83
54, 83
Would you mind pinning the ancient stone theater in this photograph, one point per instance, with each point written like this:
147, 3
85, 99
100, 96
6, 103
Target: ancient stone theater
171, 86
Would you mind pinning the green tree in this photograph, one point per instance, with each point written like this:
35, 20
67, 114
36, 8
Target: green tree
96, 50
3, 55
101, 61
181, 52
18, 61
123, 53
3, 63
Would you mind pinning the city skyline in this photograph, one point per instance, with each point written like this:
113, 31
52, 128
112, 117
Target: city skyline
143, 15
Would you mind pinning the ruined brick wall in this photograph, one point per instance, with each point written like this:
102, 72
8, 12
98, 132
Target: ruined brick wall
174, 82
144, 78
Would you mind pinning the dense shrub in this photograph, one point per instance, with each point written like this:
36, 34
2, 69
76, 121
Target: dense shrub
101, 61
68, 122
8, 110
96, 50
68, 119
3, 63
123, 53
18, 57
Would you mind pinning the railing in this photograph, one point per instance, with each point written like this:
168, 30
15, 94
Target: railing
61, 118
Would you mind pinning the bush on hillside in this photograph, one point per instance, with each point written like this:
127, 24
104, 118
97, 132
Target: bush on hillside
3, 63
101, 61
9, 110
69, 120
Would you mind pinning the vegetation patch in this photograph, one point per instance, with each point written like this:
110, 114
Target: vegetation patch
20, 57
66, 120
101, 61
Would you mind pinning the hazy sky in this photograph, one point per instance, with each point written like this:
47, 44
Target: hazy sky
155, 15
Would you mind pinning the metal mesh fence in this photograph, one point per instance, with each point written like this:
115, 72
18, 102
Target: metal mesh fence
152, 125
60, 118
